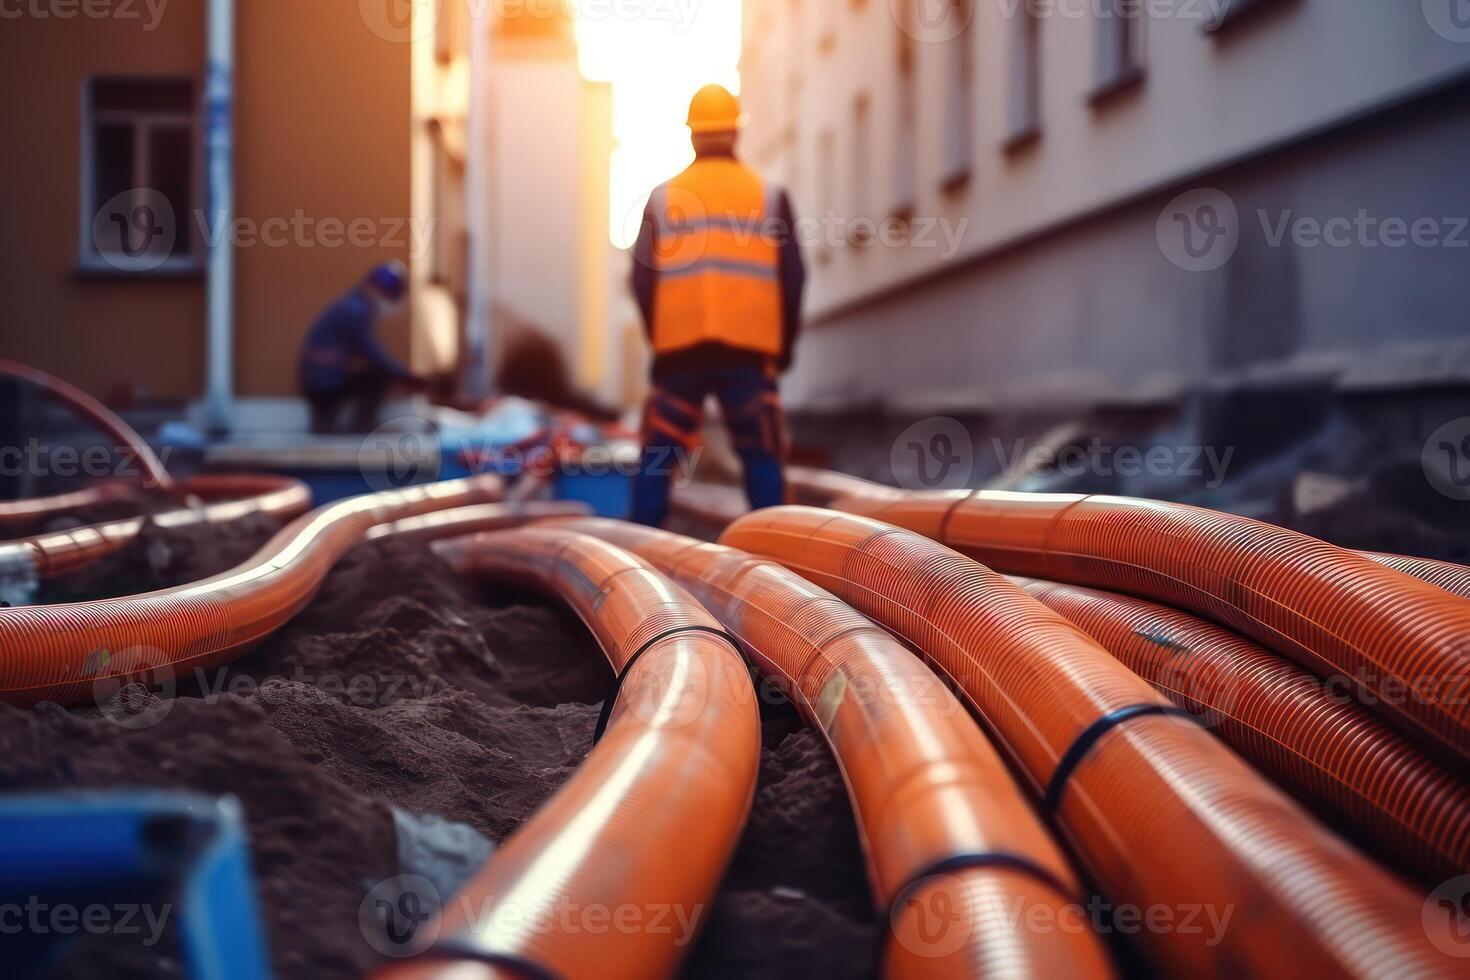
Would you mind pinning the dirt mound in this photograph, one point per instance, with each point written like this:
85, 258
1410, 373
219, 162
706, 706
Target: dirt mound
400, 685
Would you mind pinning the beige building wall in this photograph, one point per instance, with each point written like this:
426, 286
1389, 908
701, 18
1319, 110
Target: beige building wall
1031, 266
322, 135
101, 333
323, 112
550, 260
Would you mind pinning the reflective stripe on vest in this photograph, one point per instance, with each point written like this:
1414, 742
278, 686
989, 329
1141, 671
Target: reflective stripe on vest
717, 259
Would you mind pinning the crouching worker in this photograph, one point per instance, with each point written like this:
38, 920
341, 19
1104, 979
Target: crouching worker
718, 276
342, 361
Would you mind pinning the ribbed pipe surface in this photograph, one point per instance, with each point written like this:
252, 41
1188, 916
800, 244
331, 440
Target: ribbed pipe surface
1403, 645
647, 824
1446, 575
233, 496
64, 652
928, 789
1329, 752
1166, 818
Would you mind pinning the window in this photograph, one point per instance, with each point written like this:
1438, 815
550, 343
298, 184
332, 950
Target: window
1023, 123
1119, 47
140, 184
960, 96
906, 129
861, 231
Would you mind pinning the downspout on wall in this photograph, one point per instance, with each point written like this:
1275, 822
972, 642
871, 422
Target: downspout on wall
478, 353
219, 138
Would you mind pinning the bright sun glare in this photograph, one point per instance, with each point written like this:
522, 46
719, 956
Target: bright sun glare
656, 61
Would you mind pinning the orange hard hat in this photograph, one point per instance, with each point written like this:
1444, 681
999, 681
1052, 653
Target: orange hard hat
714, 110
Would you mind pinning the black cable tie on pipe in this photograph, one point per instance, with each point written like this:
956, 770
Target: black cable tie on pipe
612, 697
1074, 755
464, 949
1001, 860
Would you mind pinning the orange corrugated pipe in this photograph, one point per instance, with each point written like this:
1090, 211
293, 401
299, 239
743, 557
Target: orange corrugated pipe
463, 521
1446, 575
941, 818
647, 824
61, 652
1165, 817
1333, 754
15, 514
1404, 645
98, 414
236, 496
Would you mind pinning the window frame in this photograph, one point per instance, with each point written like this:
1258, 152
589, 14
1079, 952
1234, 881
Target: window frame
1023, 78
1119, 29
142, 122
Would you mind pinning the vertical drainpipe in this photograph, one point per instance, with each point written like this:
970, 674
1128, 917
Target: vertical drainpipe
479, 330
219, 140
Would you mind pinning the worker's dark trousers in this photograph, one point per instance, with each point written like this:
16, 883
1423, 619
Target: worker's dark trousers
363, 390
751, 406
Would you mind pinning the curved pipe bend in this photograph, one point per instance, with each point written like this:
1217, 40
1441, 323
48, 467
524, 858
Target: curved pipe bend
1403, 645
90, 409
928, 789
63, 652
652, 816
1327, 751
234, 496
1164, 815
462, 521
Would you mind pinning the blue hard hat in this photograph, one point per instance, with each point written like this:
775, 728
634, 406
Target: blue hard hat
390, 279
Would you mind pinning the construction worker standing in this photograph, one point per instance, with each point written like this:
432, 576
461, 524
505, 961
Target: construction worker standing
718, 276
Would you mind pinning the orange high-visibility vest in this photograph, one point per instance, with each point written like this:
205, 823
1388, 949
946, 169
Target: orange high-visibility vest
717, 259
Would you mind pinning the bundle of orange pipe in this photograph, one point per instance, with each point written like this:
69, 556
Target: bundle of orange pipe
235, 497
942, 821
1165, 817
61, 652
645, 827
1402, 644
1325, 749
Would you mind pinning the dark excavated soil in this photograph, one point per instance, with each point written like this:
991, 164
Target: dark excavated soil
400, 686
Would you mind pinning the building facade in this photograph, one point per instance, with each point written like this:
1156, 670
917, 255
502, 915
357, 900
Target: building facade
1017, 201
455, 136
105, 124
